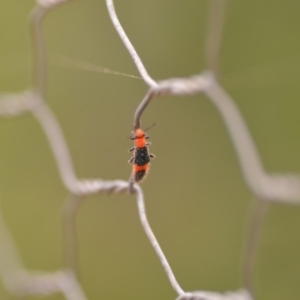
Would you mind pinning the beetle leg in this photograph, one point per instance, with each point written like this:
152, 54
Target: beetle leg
131, 149
131, 160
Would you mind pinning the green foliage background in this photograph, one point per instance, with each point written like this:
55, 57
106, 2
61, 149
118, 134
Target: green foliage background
197, 200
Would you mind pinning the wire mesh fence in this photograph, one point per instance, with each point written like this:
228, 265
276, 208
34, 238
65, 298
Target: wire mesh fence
70, 278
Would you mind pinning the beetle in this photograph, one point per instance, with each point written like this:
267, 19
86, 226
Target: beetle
141, 155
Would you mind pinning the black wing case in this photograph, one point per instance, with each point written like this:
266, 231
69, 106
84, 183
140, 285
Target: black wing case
142, 156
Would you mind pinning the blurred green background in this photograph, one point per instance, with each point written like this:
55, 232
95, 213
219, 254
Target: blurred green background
197, 201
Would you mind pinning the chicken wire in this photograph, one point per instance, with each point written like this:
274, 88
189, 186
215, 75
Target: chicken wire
266, 187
